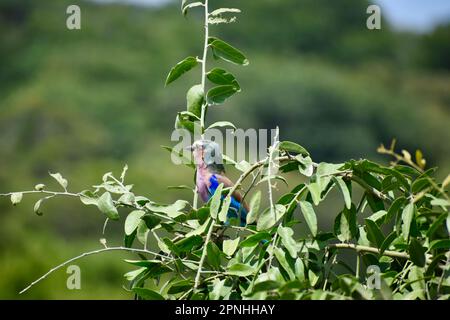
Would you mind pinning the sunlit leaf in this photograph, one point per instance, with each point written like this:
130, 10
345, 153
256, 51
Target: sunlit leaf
227, 52
106, 205
181, 68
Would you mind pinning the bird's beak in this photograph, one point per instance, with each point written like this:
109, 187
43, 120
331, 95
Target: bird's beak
189, 148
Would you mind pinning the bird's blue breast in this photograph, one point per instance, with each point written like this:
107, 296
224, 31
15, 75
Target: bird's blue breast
236, 208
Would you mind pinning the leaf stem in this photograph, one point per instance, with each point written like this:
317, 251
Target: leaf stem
203, 61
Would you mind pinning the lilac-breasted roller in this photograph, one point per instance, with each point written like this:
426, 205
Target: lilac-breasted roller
211, 173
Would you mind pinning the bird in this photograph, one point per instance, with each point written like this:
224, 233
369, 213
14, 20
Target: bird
211, 173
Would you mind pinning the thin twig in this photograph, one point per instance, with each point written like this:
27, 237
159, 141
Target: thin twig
85, 254
202, 259
356, 247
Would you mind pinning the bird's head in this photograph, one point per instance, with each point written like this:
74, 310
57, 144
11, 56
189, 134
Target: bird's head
207, 153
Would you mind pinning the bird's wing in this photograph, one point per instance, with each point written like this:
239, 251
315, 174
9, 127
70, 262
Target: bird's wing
228, 184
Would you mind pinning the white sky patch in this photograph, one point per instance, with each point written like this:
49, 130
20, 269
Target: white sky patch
415, 15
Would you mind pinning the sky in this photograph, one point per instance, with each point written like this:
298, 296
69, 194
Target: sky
412, 15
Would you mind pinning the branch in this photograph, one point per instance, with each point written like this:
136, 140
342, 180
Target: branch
85, 254
205, 55
54, 193
388, 253
202, 259
370, 189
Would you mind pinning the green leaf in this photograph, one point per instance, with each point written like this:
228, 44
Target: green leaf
254, 239
310, 216
187, 244
200, 230
417, 281
222, 124
293, 147
142, 232
222, 77
106, 206
299, 269
269, 217
215, 202
185, 8
39, 187
342, 227
407, 217
433, 266
230, 246
440, 244
189, 121
315, 191
362, 240
305, 166
266, 285
345, 192
37, 207
387, 242
393, 209
148, 294
440, 202
227, 52
417, 253
144, 263
180, 286
213, 255
127, 198
132, 221
243, 166
194, 100
224, 210
420, 184
16, 198
59, 179
173, 210
254, 207
378, 216
181, 68
374, 233
436, 224
224, 10
219, 94
240, 269
281, 257
129, 239
132, 275
150, 221
219, 290
288, 241
88, 198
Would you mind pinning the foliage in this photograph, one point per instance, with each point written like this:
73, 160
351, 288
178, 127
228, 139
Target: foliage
405, 233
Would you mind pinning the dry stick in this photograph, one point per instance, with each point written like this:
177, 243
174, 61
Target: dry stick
85, 254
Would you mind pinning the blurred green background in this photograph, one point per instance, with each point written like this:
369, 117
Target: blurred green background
86, 102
